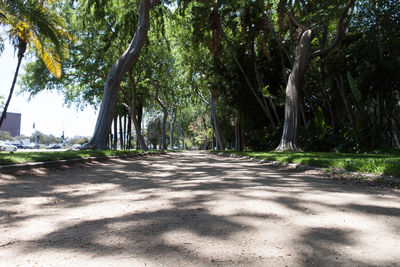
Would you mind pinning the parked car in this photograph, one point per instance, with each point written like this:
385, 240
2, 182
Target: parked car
32, 146
18, 145
8, 148
54, 146
76, 146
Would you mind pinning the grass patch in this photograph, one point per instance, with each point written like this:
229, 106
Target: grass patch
7, 158
384, 163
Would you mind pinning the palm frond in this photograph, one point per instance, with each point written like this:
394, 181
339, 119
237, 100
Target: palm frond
37, 22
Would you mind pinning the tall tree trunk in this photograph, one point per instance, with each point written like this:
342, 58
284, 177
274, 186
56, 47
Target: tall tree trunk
115, 142
136, 118
140, 119
121, 134
303, 115
220, 138
326, 96
171, 130
114, 78
178, 135
165, 116
21, 52
290, 135
238, 132
289, 140
212, 138
125, 133
129, 135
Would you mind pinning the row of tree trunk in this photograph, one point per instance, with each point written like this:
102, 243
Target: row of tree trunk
121, 134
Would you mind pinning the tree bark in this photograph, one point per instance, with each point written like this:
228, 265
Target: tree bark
115, 141
140, 119
114, 78
165, 116
326, 96
133, 110
289, 140
171, 130
21, 52
121, 134
238, 132
220, 139
129, 135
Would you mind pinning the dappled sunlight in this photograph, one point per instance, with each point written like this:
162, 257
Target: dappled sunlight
195, 207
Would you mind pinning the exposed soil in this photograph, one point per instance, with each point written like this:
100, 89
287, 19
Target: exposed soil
193, 208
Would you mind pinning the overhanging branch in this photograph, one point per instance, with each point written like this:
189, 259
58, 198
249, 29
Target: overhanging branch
340, 32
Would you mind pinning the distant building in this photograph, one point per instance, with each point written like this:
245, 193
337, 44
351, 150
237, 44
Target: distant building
12, 124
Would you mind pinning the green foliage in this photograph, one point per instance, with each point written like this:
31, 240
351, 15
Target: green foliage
353, 87
44, 139
4, 135
39, 24
186, 55
2, 102
387, 164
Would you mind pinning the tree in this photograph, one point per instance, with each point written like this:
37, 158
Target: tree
303, 55
115, 76
38, 23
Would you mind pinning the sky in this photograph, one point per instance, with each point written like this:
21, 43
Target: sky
47, 109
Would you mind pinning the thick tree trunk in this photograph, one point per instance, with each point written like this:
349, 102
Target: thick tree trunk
220, 139
114, 77
289, 140
171, 131
165, 116
21, 52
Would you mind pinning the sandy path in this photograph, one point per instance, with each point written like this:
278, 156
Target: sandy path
189, 209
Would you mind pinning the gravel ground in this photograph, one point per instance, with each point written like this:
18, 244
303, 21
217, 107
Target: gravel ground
193, 209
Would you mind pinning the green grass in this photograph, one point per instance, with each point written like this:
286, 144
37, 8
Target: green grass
388, 164
24, 157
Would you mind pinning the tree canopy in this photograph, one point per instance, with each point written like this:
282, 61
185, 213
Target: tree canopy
315, 75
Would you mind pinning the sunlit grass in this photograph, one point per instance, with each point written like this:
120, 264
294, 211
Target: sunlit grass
388, 164
24, 157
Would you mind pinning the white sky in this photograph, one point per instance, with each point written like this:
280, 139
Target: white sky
47, 109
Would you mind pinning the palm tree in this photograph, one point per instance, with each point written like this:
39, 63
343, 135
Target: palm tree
34, 22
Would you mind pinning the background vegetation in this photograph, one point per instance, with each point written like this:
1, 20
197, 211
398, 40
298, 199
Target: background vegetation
222, 69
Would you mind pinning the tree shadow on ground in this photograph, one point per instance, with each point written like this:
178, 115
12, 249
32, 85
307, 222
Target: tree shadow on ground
204, 179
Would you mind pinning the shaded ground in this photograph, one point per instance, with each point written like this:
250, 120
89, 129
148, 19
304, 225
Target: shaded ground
195, 208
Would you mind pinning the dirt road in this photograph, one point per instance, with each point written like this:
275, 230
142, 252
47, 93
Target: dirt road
186, 209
